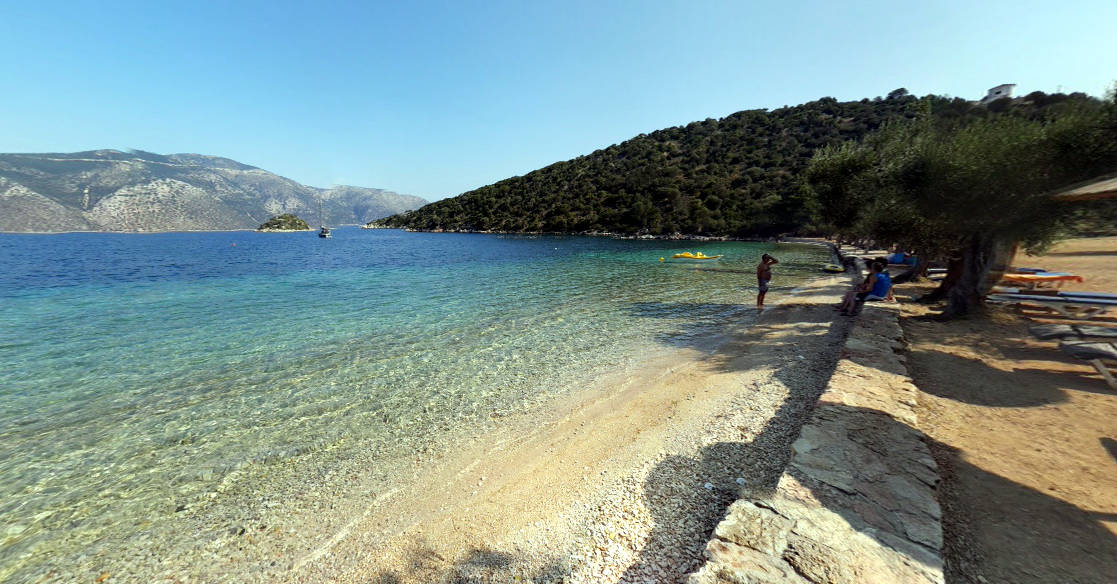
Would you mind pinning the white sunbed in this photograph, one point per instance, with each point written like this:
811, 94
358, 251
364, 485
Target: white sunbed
1070, 307
1100, 355
1051, 292
1084, 295
1069, 331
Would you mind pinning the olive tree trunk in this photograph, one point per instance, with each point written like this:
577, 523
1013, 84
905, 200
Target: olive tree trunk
983, 261
953, 274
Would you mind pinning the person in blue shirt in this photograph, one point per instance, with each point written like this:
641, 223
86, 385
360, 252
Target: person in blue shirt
878, 286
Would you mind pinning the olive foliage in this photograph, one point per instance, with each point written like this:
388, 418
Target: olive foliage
972, 187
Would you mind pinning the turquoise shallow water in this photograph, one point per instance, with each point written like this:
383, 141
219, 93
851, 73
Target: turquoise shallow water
139, 369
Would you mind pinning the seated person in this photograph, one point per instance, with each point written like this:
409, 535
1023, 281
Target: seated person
878, 286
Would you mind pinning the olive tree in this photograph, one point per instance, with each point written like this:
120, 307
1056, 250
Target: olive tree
974, 191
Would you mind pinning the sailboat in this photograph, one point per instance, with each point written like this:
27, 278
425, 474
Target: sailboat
325, 231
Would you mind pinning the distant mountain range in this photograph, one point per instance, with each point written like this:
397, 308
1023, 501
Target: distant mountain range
110, 190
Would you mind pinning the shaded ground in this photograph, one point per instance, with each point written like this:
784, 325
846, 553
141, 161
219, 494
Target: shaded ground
1025, 437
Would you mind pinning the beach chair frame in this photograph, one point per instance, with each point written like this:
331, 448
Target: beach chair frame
1072, 308
1103, 369
1101, 363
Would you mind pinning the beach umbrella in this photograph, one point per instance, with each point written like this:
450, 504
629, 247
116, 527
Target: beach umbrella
1102, 187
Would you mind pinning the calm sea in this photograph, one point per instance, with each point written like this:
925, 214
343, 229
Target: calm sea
138, 370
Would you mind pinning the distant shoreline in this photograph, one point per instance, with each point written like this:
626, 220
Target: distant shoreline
672, 237
609, 234
248, 229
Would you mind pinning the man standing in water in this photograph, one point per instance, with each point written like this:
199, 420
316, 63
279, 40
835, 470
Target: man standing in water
763, 276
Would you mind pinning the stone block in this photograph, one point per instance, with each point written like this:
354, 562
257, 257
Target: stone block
736, 564
756, 527
816, 561
856, 504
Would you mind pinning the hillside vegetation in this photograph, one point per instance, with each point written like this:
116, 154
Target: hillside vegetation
737, 176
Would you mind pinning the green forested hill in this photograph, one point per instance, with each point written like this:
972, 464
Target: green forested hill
734, 176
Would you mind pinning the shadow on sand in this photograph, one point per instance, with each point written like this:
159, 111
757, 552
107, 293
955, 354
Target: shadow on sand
1036, 533
1036, 526
1018, 517
678, 485
1110, 446
968, 380
477, 566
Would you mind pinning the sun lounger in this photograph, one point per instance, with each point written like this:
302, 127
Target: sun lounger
1050, 292
1084, 295
1045, 279
1045, 332
1016, 290
1100, 355
1078, 308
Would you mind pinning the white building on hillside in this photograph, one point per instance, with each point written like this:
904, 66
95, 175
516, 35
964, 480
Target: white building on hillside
998, 92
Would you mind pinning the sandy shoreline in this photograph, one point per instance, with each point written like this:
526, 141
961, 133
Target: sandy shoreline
616, 484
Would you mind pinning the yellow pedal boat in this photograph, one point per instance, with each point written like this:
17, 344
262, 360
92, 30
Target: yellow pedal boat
693, 257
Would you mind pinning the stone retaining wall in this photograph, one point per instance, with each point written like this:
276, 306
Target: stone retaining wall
857, 501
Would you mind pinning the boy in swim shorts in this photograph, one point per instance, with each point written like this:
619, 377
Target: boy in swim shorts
763, 276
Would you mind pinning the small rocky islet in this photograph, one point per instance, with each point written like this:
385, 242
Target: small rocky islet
284, 222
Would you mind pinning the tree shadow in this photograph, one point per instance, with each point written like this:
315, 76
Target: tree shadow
992, 526
1008, 532
697, 491
477, 566
974, 382
1110, 446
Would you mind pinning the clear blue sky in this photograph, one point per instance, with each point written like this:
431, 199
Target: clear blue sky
437, 98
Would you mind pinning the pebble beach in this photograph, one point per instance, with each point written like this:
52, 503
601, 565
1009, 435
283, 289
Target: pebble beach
625, 485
